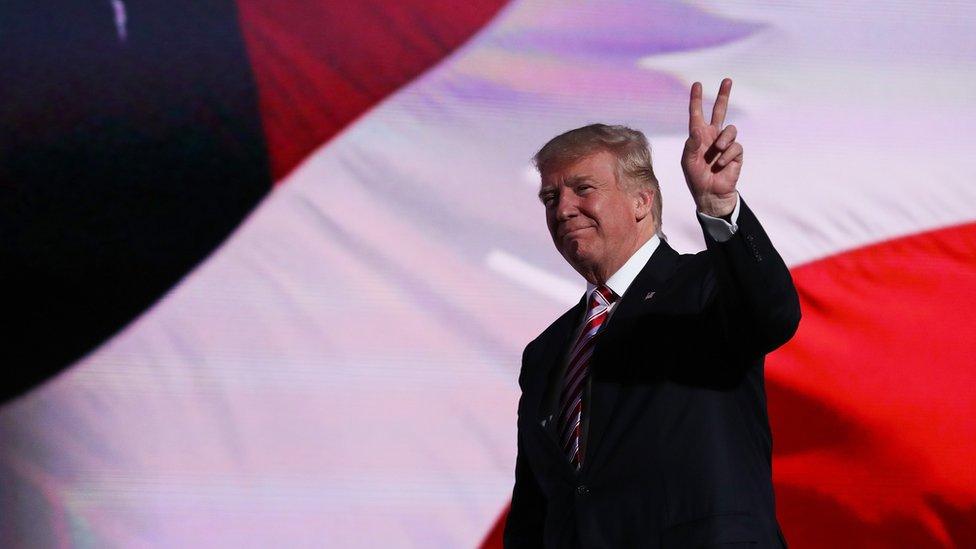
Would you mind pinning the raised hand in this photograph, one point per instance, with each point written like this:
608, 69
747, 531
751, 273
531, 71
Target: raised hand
712, 159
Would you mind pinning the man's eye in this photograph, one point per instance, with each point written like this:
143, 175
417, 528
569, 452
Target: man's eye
582, 188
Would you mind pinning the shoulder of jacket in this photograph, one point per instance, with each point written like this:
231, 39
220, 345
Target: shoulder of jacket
539, 339
533, 347
692, 263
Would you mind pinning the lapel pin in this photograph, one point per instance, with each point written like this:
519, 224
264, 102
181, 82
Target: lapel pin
648, 296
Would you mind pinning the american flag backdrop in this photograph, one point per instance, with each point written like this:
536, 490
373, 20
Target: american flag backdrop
267, 268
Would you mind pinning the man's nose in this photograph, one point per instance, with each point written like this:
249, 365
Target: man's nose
567, 206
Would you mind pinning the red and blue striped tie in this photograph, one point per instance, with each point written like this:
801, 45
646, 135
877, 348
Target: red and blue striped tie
574, 383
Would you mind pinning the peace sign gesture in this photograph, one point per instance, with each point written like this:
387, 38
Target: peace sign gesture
712, 159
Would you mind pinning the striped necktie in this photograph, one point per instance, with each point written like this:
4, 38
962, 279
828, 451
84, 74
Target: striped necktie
574, 383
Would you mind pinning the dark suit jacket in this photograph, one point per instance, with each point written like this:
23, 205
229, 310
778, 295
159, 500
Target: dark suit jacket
678, 451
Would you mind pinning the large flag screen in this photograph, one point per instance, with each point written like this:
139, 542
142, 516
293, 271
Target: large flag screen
271, 266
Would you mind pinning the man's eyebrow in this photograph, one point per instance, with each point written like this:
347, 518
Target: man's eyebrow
570, 182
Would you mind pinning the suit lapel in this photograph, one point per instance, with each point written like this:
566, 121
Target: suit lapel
606, 383
556, 345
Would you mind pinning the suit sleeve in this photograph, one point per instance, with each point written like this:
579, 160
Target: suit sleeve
754, 304
526, 516
527, 513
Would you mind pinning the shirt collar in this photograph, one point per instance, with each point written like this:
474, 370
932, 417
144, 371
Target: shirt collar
622, 279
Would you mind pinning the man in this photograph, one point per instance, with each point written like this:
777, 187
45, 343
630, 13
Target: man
642, 421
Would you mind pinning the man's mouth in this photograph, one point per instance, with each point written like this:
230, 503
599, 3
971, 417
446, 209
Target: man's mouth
569, 232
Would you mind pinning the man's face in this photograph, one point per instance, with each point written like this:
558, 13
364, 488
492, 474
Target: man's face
592, 220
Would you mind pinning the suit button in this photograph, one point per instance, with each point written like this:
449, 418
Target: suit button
582, 490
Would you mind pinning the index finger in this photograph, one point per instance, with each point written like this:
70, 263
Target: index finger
695, 116
721, 103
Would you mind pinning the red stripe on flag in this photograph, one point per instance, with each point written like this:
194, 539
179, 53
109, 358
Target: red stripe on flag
873, 403
318, 65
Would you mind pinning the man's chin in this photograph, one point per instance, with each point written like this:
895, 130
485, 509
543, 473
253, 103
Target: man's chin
577, 256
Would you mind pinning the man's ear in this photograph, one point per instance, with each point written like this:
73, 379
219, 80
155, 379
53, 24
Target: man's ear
643, 200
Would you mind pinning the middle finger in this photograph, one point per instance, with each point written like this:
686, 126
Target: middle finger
721, 103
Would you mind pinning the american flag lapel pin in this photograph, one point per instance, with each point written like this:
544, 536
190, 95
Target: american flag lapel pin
648, 296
